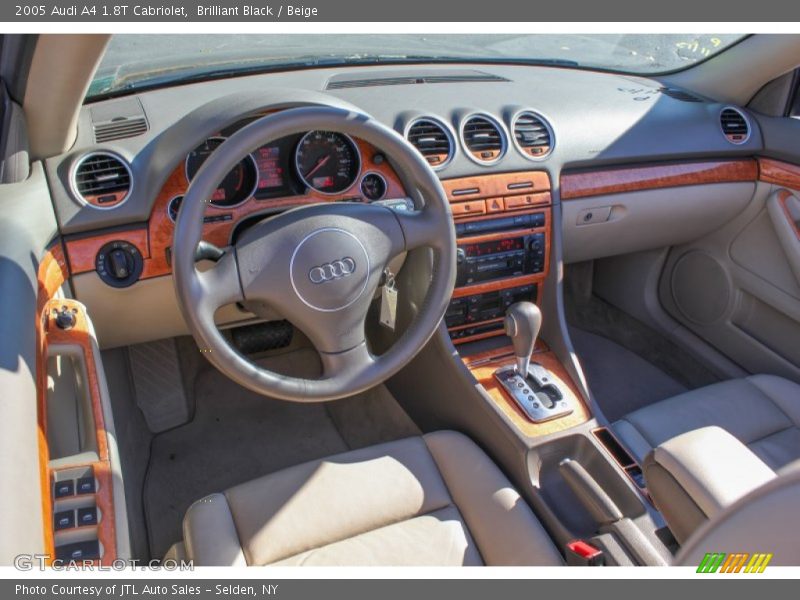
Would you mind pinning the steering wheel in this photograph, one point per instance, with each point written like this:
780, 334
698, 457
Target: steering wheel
281, 261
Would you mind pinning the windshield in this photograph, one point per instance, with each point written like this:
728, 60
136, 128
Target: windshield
134, 62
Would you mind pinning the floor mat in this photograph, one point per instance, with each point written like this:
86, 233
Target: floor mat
237, 435
620, 380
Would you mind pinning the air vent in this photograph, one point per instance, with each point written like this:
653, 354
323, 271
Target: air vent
102, 179
484, 139
734, 126
119, 129
433, 140
681, 95
532, 135
412, 78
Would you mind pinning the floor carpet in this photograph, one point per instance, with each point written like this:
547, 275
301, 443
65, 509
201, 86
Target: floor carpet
237, 435
620, 380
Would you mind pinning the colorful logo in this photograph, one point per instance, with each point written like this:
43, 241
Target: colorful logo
739, 562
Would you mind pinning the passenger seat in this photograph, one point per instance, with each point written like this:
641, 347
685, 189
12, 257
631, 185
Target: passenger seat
761, 411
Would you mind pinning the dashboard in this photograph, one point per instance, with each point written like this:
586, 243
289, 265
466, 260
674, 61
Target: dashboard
530, 158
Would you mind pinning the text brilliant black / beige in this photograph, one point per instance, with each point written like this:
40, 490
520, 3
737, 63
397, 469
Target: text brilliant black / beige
267, 10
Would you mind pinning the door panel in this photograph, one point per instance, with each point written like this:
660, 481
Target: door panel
737, 289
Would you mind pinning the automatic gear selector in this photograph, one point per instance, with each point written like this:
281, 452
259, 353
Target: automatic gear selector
531, 386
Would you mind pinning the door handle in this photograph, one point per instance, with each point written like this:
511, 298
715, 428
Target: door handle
784, 211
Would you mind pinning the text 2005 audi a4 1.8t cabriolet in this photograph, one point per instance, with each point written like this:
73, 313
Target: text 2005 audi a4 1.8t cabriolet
462, 300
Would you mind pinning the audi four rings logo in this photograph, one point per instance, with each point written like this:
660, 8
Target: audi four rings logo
336, 269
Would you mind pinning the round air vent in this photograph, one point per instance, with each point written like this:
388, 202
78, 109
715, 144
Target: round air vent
532, 135
484, 139
102, 179
433, 140
735, 125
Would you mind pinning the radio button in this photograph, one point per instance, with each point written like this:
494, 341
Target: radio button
473, 207
515, 202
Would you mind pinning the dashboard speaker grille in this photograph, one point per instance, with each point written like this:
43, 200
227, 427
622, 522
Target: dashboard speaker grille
483, 139
533, 135
734, 126
448, 76
102, 179
432, 140
119, 129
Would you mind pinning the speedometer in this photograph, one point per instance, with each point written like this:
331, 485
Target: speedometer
327, 162
237, 186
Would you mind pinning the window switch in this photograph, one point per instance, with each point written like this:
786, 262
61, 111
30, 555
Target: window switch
64, 520
64, 488
87, 516
86, 485
78, 551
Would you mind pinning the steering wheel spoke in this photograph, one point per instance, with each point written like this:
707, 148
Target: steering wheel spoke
343, 366
420, 230
219, 285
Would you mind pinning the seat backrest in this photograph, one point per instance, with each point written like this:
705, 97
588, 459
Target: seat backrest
767, 520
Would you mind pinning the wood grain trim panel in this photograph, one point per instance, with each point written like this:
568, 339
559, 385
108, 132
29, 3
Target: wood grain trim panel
155, 238
82, 252
779, 173
483, 365
496, 185
51, 275
80, 336
631, 179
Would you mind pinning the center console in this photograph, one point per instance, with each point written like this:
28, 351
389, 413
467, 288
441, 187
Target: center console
503, 233
503, 228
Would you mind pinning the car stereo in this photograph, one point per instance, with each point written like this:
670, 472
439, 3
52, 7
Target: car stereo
508, 257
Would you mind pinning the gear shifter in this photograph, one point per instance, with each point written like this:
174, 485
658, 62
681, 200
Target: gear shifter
530, 385
522, 325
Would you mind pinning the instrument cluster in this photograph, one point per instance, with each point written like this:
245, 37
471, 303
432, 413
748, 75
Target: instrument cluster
325, 162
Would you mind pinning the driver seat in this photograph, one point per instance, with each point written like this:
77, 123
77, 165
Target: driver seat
431, 500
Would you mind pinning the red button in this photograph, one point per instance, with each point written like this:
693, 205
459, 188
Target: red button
583, 549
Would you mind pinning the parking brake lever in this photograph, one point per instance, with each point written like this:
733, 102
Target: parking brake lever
608, 516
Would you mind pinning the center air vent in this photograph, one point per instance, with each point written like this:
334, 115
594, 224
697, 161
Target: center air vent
532, 135
484, 139
433, 140
102, 179
734, 125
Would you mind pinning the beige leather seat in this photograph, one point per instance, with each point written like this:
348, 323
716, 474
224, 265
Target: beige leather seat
762, 411
431, 500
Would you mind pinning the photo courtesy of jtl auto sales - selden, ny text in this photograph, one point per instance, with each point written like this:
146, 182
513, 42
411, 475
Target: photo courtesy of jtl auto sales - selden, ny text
355, 300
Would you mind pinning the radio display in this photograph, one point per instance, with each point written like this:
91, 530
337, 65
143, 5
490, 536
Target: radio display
496, 247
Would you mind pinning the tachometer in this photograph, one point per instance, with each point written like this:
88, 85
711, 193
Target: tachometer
327, 162
237, 186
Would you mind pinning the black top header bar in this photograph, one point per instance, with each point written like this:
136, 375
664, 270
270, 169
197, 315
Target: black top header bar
468, 11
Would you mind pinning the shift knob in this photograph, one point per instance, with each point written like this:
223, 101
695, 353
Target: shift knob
522, 324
